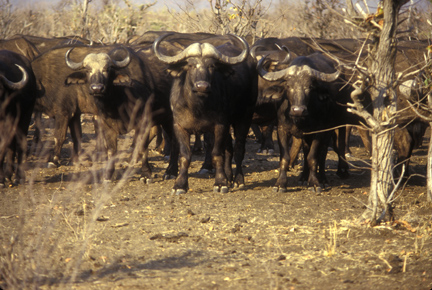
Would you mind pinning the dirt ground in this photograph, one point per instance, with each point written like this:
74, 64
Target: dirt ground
66, 229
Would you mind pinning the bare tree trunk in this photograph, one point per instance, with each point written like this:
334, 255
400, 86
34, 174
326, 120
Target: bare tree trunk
84, 30
429, 170
381, 177
381, 82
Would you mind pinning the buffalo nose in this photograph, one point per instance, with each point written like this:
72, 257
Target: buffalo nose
202, 86
299, 111
97, 88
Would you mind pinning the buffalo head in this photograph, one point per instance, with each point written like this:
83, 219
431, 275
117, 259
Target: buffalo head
98, 67
300, 81
200, 60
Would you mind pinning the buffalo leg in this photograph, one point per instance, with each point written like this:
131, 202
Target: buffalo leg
181, 183
146, 173
171, 140
20, 153
198, 145
207, 166
60, 131
339, 147
348, 133
364, 135
228, 160
2, 173
221, 135
283, 139
312, 162
256, 129
294, 151
240, 131
404, 145
110, 137
267, 144
76, 135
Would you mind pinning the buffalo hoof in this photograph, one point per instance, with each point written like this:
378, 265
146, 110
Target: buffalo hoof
146, 180
221, 189
52, 165
177, 191
2, 185
239, 186
168, 177
279, 189
316, 189
16, 182
204, 171
107, 181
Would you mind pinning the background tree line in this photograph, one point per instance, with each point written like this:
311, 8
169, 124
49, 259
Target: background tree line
118, 20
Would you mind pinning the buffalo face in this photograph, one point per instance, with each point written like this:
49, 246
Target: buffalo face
199, 75
199, 62
97, 67
300, 83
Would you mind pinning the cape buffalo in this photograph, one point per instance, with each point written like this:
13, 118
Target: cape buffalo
17, 98
307, 94
111, 82
214, 87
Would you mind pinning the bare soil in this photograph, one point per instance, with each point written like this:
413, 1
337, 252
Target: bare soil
66, 229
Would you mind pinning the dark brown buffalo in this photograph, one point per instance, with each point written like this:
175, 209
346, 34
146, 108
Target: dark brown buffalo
308, 93
110, 82
17, 98
265, 115
214, 88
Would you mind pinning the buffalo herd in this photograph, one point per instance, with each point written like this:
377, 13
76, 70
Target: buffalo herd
197, 83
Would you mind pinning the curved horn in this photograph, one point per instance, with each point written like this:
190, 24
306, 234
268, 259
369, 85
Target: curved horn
124, 62
287, 57
254, 49
70, 63
270, 76
210, 50
18, 85
325, 77
165, 58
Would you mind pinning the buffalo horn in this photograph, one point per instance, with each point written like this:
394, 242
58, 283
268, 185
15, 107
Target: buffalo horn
165, 58
228, 59
325, 77
70, 63
270, 76
287, 57
18, 85
197, 49
295, 70
124, 62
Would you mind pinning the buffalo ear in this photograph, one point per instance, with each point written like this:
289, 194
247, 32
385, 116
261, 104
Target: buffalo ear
122, 80
175, 70
174, 73
273, 93
75, 78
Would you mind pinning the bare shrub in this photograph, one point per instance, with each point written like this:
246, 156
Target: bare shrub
60, 230
243, 18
